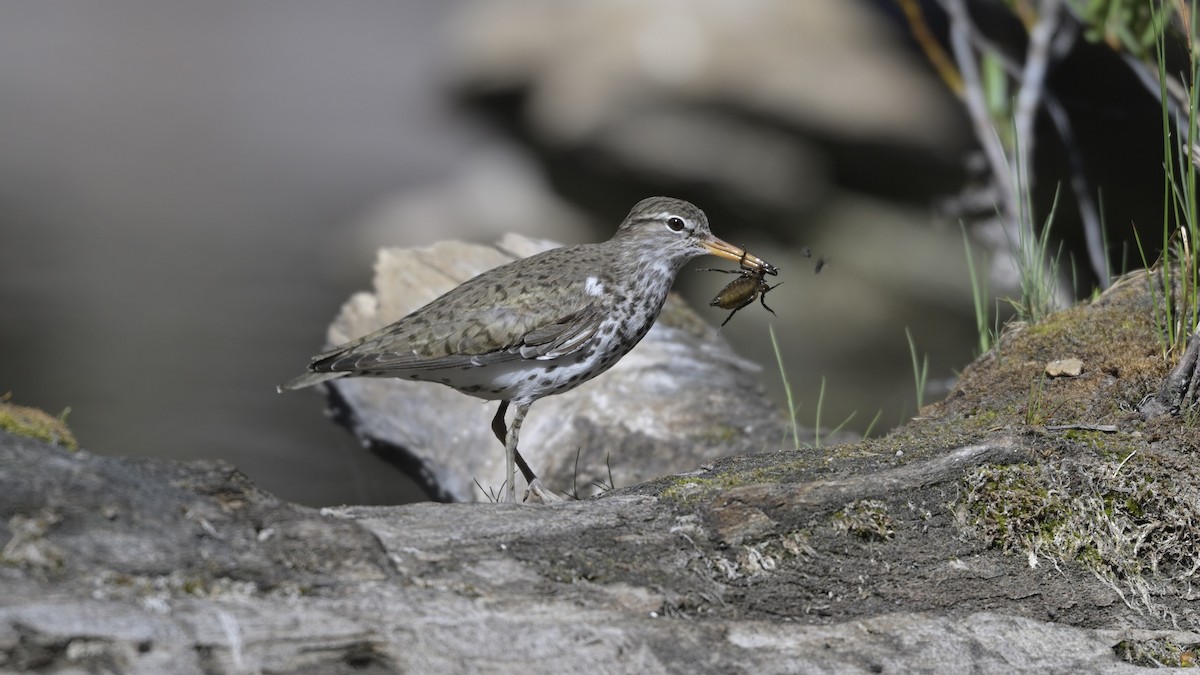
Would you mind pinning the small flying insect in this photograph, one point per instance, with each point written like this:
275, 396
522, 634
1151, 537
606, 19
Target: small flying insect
743, 290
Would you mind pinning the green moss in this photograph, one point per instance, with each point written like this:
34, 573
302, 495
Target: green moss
37, 424
686, 490
1013, 507
1134, 525
690, 489
783, 466
865, 518
1158, 653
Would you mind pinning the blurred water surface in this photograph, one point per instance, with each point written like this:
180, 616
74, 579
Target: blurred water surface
178, 182
172, 177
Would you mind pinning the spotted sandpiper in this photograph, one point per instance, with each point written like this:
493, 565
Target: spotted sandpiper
541, 325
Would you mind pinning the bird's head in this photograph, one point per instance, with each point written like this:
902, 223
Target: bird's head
675, 231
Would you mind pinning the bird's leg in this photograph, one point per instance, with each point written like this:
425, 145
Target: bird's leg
536, 492
502, 435
498, 422
510, 451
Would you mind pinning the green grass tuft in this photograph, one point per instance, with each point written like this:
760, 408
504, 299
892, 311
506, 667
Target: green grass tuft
920, 370
787, 388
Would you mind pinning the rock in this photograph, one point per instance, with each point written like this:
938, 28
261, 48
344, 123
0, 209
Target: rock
773, 61
28, 546
155, 518
635, 582
1064, 368
679, 399
703, 93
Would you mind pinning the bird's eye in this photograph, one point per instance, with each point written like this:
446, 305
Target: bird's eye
675, 223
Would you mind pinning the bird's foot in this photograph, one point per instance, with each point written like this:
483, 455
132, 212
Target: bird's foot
540, 494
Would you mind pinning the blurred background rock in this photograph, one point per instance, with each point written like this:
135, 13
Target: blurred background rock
189, 191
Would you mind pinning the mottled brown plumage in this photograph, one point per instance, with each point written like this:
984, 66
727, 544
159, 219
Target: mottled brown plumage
541, 325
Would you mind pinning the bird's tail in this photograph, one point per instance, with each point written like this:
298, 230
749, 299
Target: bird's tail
307, 380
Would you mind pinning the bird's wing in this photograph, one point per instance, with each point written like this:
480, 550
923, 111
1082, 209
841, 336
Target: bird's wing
565, 336
481, 339
484, 320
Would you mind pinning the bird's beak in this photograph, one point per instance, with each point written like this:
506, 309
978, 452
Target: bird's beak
741, 256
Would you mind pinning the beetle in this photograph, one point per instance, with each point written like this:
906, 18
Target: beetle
743, 290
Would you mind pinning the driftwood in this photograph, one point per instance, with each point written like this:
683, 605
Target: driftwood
1179, 389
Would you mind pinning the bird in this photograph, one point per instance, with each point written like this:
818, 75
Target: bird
538, 326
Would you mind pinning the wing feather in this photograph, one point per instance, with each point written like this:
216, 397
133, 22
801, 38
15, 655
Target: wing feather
562, 337
482, 322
